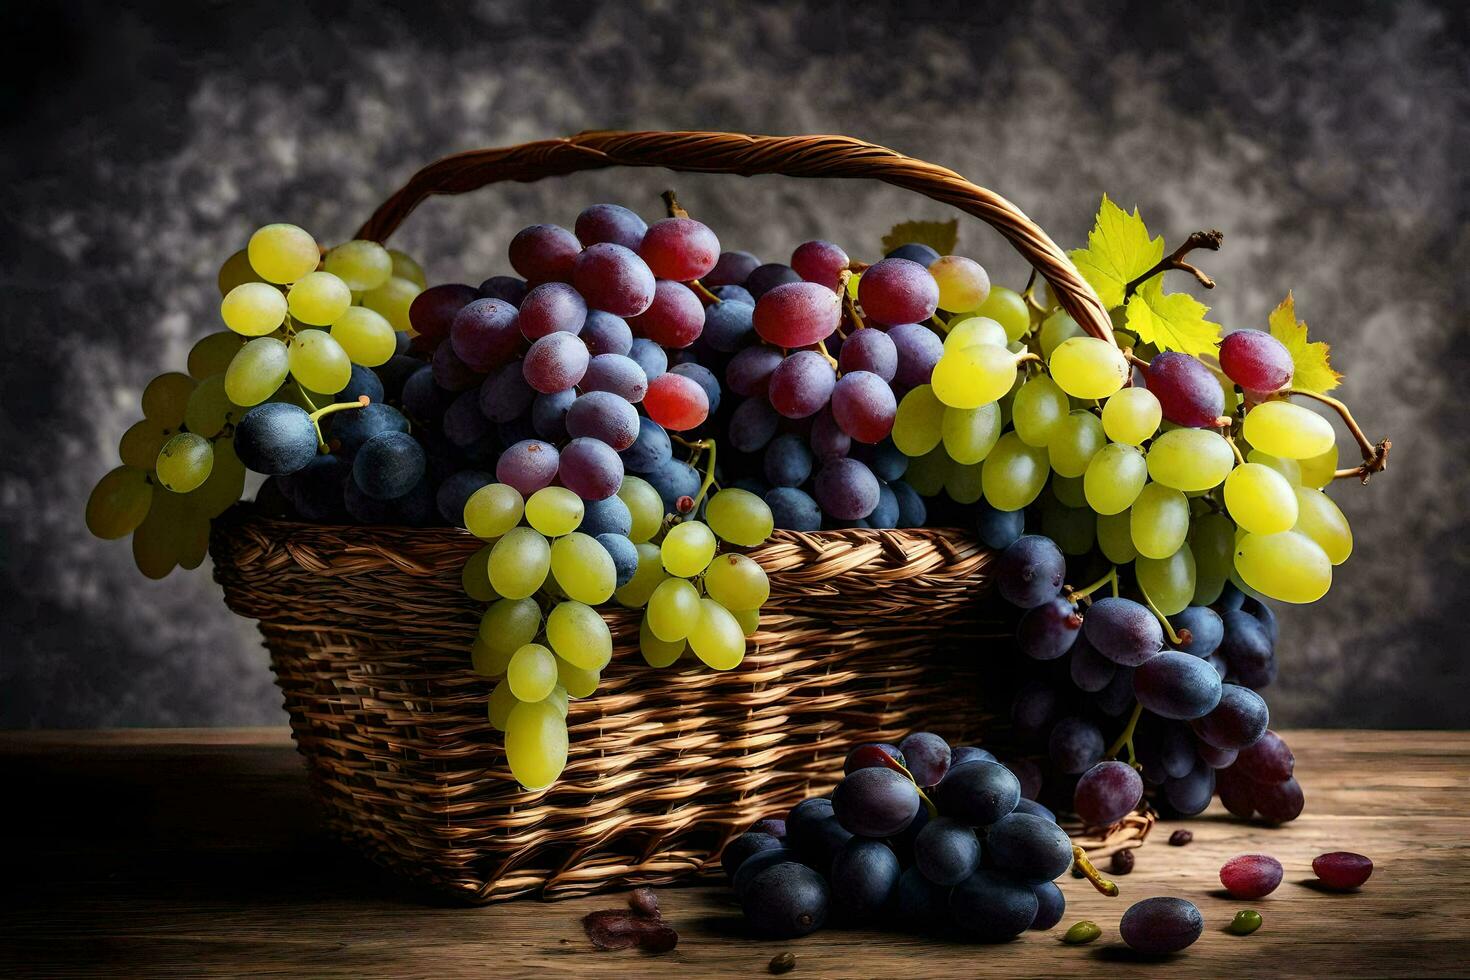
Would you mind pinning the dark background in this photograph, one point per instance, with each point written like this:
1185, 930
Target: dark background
142, 143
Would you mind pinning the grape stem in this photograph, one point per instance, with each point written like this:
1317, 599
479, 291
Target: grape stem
1175, 260
702, 291
362, 402
822, 349
671, 202
709, 465
1239, 459
1375, 456
1125, 739
1029, 293
1174, 637
1112, 577
1108, 888
848, 303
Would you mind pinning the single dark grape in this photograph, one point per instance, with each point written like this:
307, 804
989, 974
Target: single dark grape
1190, 794
544, 253
611, 277
1247, 648
1107, 793
363, 381
609, 516
749, 372
1206, 630
388, 465
486, 334
1255, 360
786, 901
674, 319
508, 288
1266, 760
998, 529
464, 424
649, 356
870, 350
729, 326
1279, 802
1089, 670
1029, 847
846, 489
918, 349
1075, 745
1342, 870
277, 438
794, 510
979, 792
456, 490
651, 449
1051, 905
764, 278
1030, 571
1176, 685
875, 802
927, 757
871, 754
433, 310
674, 479
623, 553
1161, 925
898, 291
590, 468
1048, 631
1237, 721
609, 223
528, 465
788, 462
743, 847
451, 373
1189, 393
1036, 809
1122, 630
731, 269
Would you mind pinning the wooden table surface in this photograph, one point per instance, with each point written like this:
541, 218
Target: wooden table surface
197, 853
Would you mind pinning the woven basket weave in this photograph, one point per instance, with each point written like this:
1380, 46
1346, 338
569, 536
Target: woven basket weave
868, 634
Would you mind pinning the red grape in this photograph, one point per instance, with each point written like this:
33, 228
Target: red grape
556, 362
797, 314
870, 350
1251, 876
1256, 361
1342, 870
614, 279
820, 262
675, 402
898, 291
846, 489
552, 307
432, 311
1279, 802
544, 253
675, 318
1266, 760
864, 406
485, 333
1188, 392
801, 385
679, 248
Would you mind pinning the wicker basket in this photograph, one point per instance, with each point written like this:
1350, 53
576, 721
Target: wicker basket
868, 634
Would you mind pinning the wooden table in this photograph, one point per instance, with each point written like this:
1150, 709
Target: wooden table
197, 853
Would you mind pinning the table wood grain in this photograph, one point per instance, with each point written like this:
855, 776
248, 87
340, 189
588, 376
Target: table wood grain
198, 853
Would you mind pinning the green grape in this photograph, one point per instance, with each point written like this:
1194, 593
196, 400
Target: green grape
969, 434
283, 253
737, 582
553, 511
509, 624
582, 567
493, 510
1289, 566
1076, 440
1159, 521
971, 330
1038, 410
140, 444
1114, 478
119, 502
650, 573
715, 637
209, 409
535, 744
254, 309
1287, 430
918, 426
235, 271
1057, 328
672, 609
1131, 416
1168, 582
169, 536
474, 577
1006, 307
1070, 490
319, 363
1318, 471
688, 548
1074, 529
973, 376
656, 652
256, 371
213, 354
1321, 520
1013, 474
166, 398
560, 700
184, 462
1190, 459
486, 661
579, 636
928, 473
1260, 499
579, 683
739, 517
519, 562
749, 620
965, 482
1088, 367
392, 300
224, 486
1212, 542
1115, 537
1291, 469
361, 265
501, 701
531, 672
365, 336
645, 506
405, 267
318, 299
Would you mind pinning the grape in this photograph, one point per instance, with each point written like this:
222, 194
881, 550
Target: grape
788, 462
676, 402
544, 253
1278, 802
1320, 520
604, 333
1216, 759
688, 549
365, 336
275, 438
990, 907
1131, 416
752, 425
1290, 469
1246, 647
731, 269
1114, 478
451, 373
739, 517
1318, 471
896, 291
318, 298
763, 279
1288, 566
392, 301
679, 248
1251, 876
1159, 521
577, 633
549, 414
184, 462
1077, 438
141, 442
609, 223
786, 901
1029, 846
946, 851
536, 744
871, 754
911, 509
875, 802
1342, 870
208, 409
1168, 582
1288, 431
1051, 905
119, 503
749, 371
1087, 367
872, 351
605, 416
716, 637
349, 430
212, 354
797, 314
999, 529
972, 330
1267, 760
1260, 499
1190, 459
820, 262
927, 757
1008, 308
616, 374
979, 792
528, 466
531, 672
801, 385
914, 252
1090, 671
553, 511
793, 510
970, 434
235, 270
1030, 571
973, 376
675, 318
656, 652
703, 377
318, 362
919, 350
1056, 329
1212, 542
590, 468
361, 265
253, 309
581, 566
744, 847
918, 424
455, 492
1122, 630
1189, 393
485, 334
864, 407
737, 583
729, 326
673, 480
963, 283
316, 490
1075, 745
1048, 631
645, 508
1177, 685
555, 362
846, 489
464, 425
432, 311
864, 876
282, 253
1161, 925
1255, 360
1013, 473
389, 465
609, 516
1039, 409
1238, 721
255, 373
672, 609
1115, 537
1107, 793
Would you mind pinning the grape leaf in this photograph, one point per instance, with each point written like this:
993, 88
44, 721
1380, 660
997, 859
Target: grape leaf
1118, 251
942, 236
1171, 321
1312, 368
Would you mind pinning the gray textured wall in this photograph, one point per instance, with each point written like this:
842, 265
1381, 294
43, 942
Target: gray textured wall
141, 144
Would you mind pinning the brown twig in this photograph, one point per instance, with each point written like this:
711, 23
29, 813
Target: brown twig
1375, 455
1175, 260
672, 203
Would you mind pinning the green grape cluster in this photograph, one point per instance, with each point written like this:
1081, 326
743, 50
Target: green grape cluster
541, 637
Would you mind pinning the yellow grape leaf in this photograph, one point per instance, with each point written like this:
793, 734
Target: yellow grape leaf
1171, 321
942, 236
1118, 251
1312, 369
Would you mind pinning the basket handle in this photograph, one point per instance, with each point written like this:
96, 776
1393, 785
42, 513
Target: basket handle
736, 153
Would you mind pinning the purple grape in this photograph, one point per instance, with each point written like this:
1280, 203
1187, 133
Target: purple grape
1048, 631
1342, 870
674, 479
603, 415
1090, 670
529, 465
1188, 391
992, 908
863, 406
846, 489
1238, 721
914, 252
887, 513
733, 294
979, 792
549, 414
926, 756
749, 372
898, 291
551, 308
451, 373
1032, 807
729, 326
871, 754
485, 334
591, 469
1030, 847
616, 374
820, 262
1107, 793
555, 362
1251, 876
544, 253
801, 385
674, 319
1266, 760
946, 851
870, 350
864, 876
918, 349
649, 356
786, 901
613, 278
1075, 745
1122, 630
504, 395
1216, 758
788, 462
1175, 685
827, 440
679, 249
797, 314
764, 278
1116, 699
1256, 361
1034, 709
875, 802
731, 269
998, 529
507, 288
1205, 627
793, 510
1190, 794
609, 223
604, 333
1247, 649
911, 509
464, 424
433, 310
1279, 802
650, 450
1161, 925
744, 847
1030, 572
752, 425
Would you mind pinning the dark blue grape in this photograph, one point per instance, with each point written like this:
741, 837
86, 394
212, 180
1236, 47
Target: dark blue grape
604, 333
912, 511
794, 510
1030, 571
875, 802
732, 293
914, 252
549, 414
887, 461
786, 901
277, 438
1090, 671
1250, 656
1028, 846
317, 489
1231, 598
1161, 925
609, 516
1122, 630
650, 357
456, 490
788, 461
1048, 631
1264, 615
998, 529
388, 465
946, 851
1238, 721
422, 398
349, 430
926, 756
463, 423
1206, 630
1176, 685
674, 479
362, 382
886, 514
1051, 905
979, 792
961, 754
752, 425
394, 372
864, 876
1075, 745
624, 555
743, 847
767, 277
650, 451
1032, 807
729, 326
758, 862
366, 510
1116, 699
992, 908
921, 904
505, 396
1189, 794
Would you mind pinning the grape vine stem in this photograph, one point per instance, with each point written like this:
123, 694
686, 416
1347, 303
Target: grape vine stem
1111, 576
848, 303
1375, 455
1108, 888
1175, 260
1125, 739
702, 291
1174, 637
671, 202
362, 402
